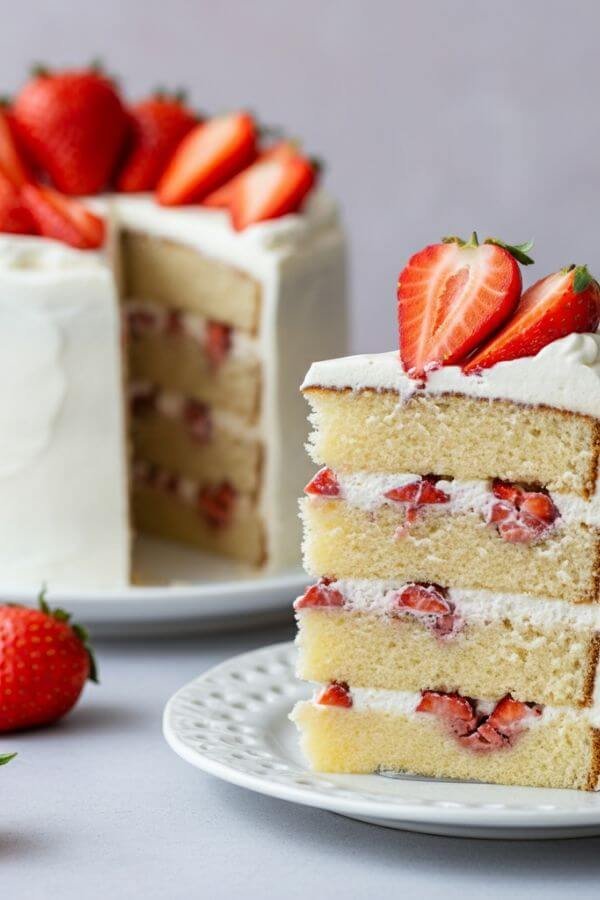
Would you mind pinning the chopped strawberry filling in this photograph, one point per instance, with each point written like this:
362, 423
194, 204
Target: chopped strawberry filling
320, 595
324, 484
416, 495
521, 516
476, 731
197, 418
428, 603
216, 503
335, 694
217, 342
419, 493
139, 321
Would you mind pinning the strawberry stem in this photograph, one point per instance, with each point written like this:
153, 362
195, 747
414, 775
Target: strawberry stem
519, 251
581, 279
61, 615
6, 758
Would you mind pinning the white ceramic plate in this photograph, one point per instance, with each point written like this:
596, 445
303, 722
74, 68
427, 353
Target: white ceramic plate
233, 723
182, 590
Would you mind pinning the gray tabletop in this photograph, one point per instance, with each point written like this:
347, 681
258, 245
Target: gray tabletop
99, 806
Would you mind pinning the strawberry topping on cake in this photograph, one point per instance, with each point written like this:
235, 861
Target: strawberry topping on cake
452, 295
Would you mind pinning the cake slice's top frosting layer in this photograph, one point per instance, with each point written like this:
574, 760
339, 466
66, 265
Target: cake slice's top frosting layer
565, 375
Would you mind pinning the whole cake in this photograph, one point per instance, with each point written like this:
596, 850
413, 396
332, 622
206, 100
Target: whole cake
455, 532
207, 251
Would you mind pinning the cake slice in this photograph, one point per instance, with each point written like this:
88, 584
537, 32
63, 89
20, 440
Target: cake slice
454, 532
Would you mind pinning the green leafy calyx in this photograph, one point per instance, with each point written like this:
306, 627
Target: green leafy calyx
6, 758
61, 615
519, 251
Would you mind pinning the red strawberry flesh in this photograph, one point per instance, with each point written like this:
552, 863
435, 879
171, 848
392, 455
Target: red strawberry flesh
324, 484
451, 296
320, 595
567, 301
335, 694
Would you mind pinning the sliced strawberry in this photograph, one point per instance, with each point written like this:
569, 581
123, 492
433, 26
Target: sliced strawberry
509, 714
521, 516
553, 307
484, 738
422, 598
11, 163
505, 490
217, 342
320, 595
15, 217
63, 218
223, 196
335, 694
216, 503
451, 296
418, 493
457, 711
209, 155
324, 484
158, 126
272, 188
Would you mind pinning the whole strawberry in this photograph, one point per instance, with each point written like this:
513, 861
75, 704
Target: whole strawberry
44, 664
72, 126
158, 126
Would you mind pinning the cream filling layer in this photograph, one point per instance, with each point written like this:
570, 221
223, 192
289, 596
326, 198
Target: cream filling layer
173, 405
565, 374
376, 597
404, 703
158, 318
367, 490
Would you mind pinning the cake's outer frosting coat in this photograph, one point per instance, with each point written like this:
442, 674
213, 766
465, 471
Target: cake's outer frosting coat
564, 374
63, 515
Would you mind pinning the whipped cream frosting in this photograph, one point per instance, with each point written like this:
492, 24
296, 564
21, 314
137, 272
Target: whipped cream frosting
367, 490
565, 374
373, 596
404, 703
63, 515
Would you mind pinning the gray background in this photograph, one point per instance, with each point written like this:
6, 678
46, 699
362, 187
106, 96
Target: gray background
434, 116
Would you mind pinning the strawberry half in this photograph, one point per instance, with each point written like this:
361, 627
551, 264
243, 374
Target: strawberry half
553, 307
425, 599
457, 711
452, 295
63, 218
158, 125
209, 155
272, 188
222, 197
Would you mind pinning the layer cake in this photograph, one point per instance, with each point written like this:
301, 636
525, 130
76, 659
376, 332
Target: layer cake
454, 532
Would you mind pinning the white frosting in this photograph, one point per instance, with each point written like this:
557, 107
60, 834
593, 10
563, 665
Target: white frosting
367, 490
63, 493
63, 479
564, 374
404, 703
373, 596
